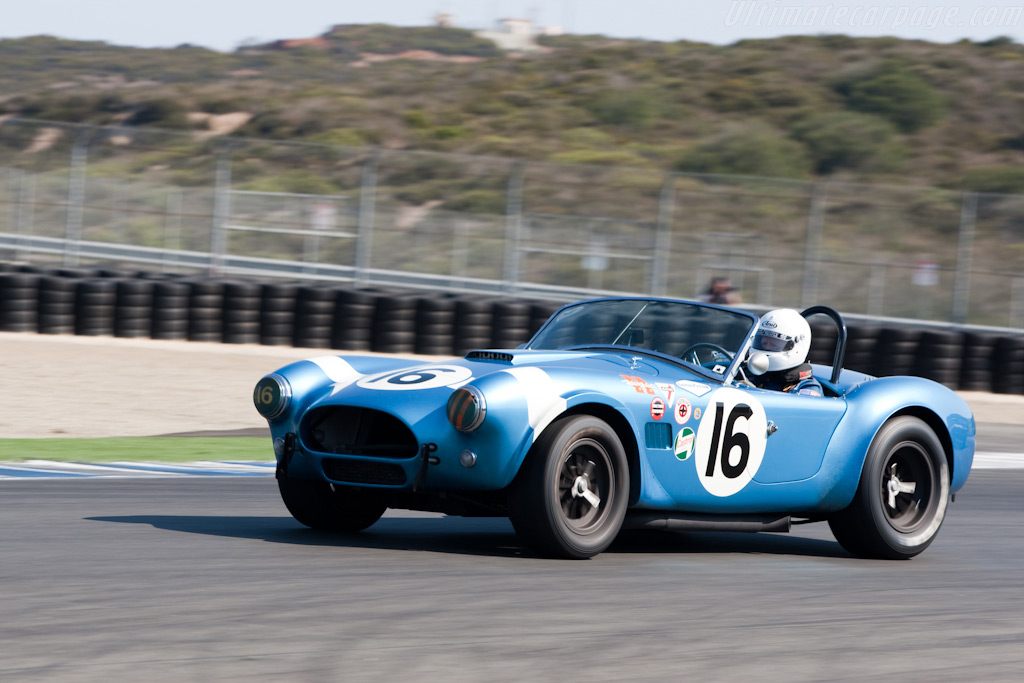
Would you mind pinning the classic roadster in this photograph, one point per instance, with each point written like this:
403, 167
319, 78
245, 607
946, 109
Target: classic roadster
620, 413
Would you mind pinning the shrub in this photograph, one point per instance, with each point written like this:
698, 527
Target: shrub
162, 113
996, 179
758, 151
845, 140
896, 94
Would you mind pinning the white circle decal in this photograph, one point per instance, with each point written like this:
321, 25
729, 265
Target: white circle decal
730, 441
422, 377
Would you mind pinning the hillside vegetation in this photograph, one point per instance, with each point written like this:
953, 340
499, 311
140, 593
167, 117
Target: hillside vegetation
869, 110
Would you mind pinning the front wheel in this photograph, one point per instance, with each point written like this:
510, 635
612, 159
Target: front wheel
329, 507
902, 497
570, 498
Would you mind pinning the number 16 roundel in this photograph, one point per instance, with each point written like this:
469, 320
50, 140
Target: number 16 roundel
730, 442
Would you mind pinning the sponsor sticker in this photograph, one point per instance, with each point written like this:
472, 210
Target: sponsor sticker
684, 443
683, 410
669, 391
657, 408
696, 413
638, 384
695, 388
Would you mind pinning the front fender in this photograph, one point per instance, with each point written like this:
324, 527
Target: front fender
870, 405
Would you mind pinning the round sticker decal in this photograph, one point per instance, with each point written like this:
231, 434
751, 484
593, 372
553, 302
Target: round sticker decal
684, 443
422, 377
730, 442
683, 410
657, 408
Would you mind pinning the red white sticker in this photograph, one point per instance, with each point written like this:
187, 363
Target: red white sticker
669, 391
683, 410
657, 408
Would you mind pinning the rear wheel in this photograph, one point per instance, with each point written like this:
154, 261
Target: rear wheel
570, 498
902, 497
329, 507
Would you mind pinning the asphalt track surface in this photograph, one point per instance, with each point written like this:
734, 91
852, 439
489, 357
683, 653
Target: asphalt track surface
203, 579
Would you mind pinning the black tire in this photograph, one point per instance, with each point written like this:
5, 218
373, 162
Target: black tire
897, 525
324, 507
547, 509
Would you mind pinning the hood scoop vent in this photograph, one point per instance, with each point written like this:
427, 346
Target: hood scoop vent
500, 356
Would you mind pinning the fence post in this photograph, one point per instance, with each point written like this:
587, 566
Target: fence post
514, 226
221, 212
812, 250
663, 238
172, 226
76, 199
964, 257
367, 208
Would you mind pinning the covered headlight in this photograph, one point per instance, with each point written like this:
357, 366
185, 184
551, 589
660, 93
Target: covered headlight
466, 408
272, 396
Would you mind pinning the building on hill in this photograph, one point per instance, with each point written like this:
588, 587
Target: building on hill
513, 35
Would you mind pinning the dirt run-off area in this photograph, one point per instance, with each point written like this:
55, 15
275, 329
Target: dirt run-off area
70, 386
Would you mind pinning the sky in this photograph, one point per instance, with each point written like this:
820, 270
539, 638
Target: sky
225, 24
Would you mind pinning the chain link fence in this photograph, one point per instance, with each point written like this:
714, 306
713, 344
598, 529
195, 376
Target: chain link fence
76, 195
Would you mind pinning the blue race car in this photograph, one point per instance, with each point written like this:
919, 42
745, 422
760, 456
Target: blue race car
620, 413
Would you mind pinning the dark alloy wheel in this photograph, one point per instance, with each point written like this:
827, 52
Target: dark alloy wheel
329, 507
570, 498
902, 497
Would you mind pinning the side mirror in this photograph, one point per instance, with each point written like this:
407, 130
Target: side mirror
757, 364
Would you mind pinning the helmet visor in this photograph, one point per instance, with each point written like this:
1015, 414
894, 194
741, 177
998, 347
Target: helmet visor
763, 342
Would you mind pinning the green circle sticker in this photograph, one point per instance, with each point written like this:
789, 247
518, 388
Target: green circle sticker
684, 443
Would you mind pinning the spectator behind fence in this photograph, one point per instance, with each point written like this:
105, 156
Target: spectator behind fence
721, 291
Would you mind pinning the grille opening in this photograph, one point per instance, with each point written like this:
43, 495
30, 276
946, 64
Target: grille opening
350, 430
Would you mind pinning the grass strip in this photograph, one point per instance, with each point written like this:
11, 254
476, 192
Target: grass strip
138, 449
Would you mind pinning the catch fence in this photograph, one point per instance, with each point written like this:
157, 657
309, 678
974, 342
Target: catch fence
78, 195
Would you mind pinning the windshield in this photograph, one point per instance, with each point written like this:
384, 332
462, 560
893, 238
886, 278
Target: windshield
689, 331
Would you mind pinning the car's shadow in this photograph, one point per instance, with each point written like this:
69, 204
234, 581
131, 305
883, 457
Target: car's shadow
492, 537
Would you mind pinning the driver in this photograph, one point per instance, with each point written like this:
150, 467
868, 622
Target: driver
784, 336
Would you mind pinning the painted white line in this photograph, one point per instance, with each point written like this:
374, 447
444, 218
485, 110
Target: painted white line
998, 461
52, 469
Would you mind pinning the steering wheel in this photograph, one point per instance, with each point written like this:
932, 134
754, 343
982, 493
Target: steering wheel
718, 354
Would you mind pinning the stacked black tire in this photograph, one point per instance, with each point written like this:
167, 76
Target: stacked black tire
170, 314
338, 316
19, 300
133, 308
242, 305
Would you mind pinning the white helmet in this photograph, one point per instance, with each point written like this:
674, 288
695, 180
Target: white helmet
785, 337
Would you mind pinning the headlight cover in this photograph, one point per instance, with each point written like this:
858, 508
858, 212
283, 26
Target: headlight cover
466, 408
272, 396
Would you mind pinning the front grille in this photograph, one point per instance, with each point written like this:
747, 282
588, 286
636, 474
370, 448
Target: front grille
350, 430
361, 472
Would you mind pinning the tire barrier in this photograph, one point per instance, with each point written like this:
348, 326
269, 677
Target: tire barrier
125, 303
314, 316
978, 362
435, 324
133, 308
277, 313
95, 300
394, 323
56, 312
1009, 379
19, 301
240, 321
170, 310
